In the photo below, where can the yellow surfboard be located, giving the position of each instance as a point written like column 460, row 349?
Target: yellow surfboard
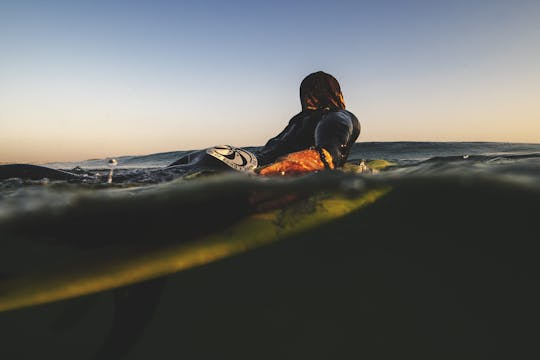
column 254, row 231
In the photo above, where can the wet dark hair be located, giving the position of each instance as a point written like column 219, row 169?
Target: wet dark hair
column 320, row 90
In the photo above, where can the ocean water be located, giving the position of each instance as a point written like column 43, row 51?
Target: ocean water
column 400, row 152
column 412, row 164
column 443, row 266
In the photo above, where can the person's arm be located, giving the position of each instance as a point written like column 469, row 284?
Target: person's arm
column 333, row 133
column 332, row 137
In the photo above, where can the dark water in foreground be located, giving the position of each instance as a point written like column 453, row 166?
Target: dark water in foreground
column 444, row 266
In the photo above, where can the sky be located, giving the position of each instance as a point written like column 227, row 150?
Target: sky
column 93, row 79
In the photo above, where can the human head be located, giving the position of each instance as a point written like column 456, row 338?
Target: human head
column 321, row 90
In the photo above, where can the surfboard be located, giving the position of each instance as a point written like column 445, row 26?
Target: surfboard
column 236, row 158
column 35, row 172
column 254, row 231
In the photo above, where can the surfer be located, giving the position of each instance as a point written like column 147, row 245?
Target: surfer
column 318, row 137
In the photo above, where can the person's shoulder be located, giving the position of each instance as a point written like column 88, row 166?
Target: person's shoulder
column 348, row 113
column 344, row 115
column 354, row 120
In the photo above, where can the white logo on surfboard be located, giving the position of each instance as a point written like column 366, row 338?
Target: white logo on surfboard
column 238, row 159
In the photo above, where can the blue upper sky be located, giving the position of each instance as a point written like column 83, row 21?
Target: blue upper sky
column 85, row 79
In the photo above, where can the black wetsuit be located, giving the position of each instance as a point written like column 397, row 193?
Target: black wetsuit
column 336, row 131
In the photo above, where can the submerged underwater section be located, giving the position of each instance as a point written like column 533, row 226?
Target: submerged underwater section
column 440, row 264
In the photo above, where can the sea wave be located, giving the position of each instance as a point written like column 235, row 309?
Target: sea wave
column 445, row 261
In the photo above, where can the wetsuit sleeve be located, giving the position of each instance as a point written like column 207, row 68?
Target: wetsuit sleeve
column 334, row 133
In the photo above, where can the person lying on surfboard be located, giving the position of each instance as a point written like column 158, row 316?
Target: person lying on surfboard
column 318, row 137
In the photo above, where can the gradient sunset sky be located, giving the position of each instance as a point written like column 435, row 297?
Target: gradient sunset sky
column 92, row 79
